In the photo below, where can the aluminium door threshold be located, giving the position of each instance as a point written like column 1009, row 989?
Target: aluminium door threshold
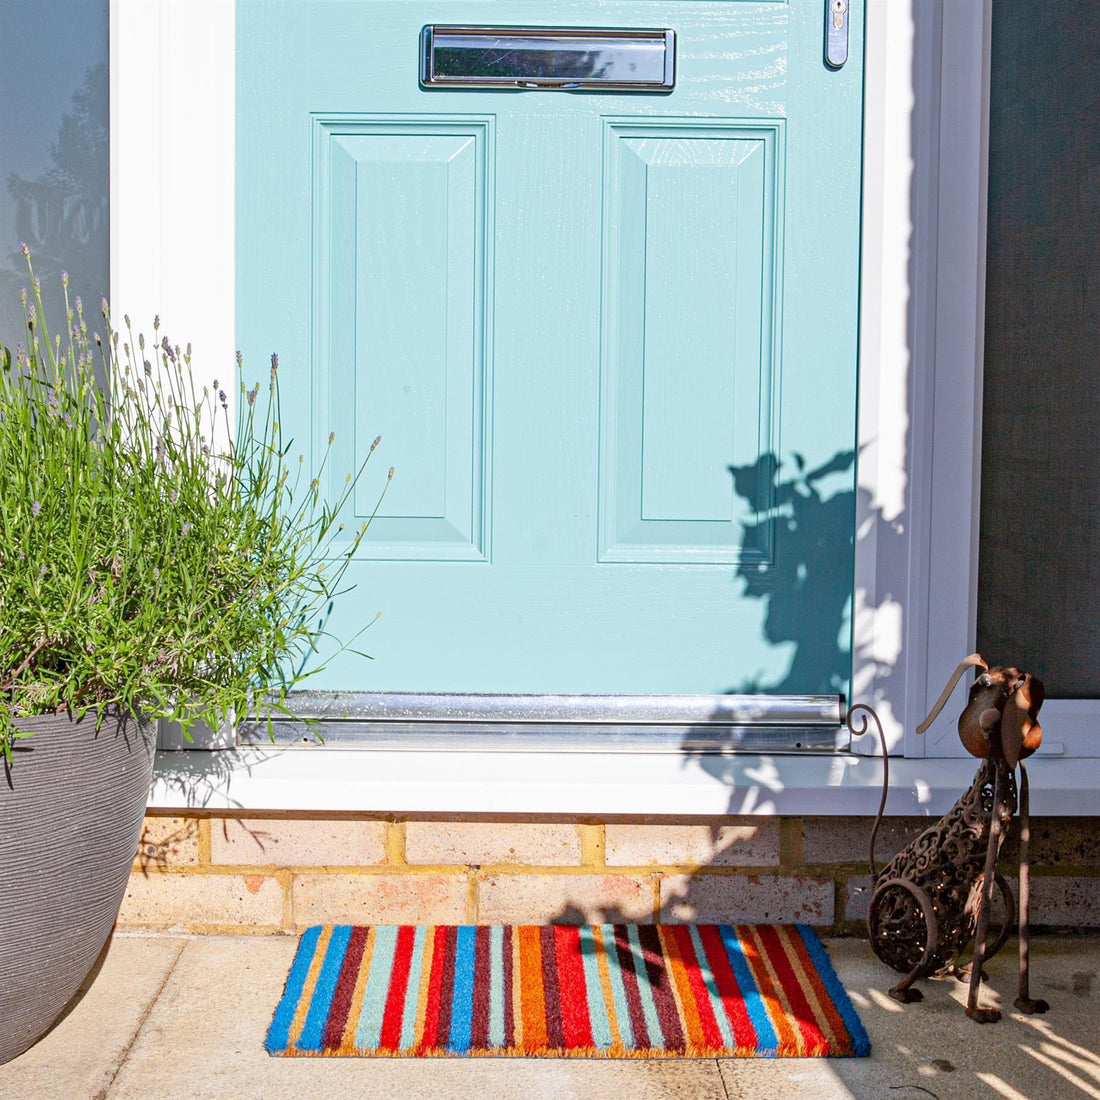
column 479, row 722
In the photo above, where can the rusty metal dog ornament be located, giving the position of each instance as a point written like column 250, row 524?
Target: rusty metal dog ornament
column 935, row 895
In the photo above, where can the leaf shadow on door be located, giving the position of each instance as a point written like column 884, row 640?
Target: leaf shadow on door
column 819, row 513
column 805, row 589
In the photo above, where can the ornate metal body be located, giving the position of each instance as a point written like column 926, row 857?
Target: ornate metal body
column 934, row 897
column 946, row 862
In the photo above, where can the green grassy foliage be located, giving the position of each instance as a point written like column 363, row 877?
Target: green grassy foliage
column 143, row 565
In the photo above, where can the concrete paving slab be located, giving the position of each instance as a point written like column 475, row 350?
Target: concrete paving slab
column 185, row 1018
column 204, row 1039
column 79, row 1057
column 934, row 1049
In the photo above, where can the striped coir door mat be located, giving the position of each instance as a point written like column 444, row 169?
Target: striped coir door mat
column 593, row 991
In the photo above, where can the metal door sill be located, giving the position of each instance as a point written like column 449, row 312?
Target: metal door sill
column 442, row 721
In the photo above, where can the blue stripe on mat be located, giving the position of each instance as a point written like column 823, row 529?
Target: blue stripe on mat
column 861, row 1041
column 462, row 1007
column 766, row 1039
column 314, row 1031
column 279, row 1031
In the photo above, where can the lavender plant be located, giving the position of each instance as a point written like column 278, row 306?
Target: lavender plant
column 144, row 567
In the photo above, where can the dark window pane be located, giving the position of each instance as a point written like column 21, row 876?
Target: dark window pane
column 54, row 154
column 1039, row 575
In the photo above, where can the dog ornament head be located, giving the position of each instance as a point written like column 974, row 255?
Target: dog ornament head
column 1001, row 718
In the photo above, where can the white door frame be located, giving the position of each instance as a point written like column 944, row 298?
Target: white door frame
column 922, row 301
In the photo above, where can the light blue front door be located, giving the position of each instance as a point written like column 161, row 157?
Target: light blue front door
column 608, row 339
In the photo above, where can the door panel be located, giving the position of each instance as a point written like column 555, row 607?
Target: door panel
column 608, row 339
column 691, row 244
column 399, row 205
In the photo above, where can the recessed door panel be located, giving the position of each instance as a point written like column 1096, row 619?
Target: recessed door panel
column 401, row 261
column 689, row 360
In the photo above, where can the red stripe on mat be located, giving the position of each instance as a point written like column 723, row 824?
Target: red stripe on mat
column 812, row 1035
column 435, row 992
column 744, row 1034
column 576, row 1026
column 390, row 1038
column 709, row 1025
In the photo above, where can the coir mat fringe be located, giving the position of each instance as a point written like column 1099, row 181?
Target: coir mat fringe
column 594, row 991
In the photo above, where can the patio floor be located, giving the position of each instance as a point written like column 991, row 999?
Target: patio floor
column 185, row 1016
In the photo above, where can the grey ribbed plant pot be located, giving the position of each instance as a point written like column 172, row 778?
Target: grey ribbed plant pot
column 71, row 809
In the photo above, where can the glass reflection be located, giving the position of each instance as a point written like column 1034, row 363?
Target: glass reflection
column 54, row 153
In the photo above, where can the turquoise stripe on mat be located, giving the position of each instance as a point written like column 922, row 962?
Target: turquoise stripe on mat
column 649, row 1005
column 408, row 1012
column 496, row 986
column 597, row 1007
column 618, row 988
column 369, row 1031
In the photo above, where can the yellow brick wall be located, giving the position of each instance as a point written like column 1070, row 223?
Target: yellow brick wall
column 279, row 873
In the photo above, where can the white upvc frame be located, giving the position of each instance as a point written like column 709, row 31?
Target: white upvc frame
column 922, row 336
column 922, row 299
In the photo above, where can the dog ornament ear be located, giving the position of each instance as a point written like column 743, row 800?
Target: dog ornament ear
column 973, row 661
column 1021, row 733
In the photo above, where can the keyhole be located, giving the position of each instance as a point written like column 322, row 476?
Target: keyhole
column 838, row 7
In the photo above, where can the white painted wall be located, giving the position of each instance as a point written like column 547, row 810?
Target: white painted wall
column 173, row 175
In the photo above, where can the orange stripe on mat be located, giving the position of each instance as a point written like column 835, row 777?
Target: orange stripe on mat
column 533, row 994
column 789, row 1040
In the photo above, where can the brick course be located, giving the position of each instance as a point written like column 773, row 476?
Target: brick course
column 266, row 842
column 487, row 843
column 379, row 899
column 281, row 872
column 746, row 899
column 563, row 899
column 197, row 902
column 168, row 842
column 716, row 845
